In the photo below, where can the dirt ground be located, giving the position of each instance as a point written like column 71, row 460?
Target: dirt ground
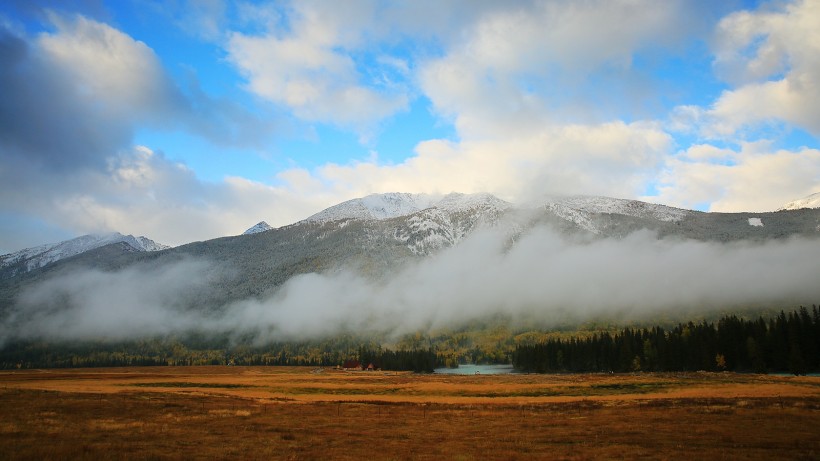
column 306, row 413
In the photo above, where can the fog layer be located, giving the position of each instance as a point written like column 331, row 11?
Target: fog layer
column 543, row 276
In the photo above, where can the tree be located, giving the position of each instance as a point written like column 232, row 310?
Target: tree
column 720, row 362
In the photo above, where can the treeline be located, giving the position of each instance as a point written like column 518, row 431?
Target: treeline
column 786, row 343
column 418, row 360
column 202, row 351
column 187, row 351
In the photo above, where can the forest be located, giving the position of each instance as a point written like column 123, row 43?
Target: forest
column 197, row 350
column 786, row 343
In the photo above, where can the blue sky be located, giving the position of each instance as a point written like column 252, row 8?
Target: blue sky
column 188, row 120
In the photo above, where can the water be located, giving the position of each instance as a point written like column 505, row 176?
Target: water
column 472, row 369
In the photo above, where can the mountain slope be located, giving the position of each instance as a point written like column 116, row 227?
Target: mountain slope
column 379, row 236
column 581, row 209
column 33, row 258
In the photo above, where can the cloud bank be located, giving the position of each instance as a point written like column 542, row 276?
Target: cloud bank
column 544, row 276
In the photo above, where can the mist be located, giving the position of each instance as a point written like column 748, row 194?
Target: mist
column 544, row 275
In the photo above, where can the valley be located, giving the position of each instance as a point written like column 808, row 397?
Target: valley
column 309, row 413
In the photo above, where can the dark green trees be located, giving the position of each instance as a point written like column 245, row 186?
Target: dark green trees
column 787, row 343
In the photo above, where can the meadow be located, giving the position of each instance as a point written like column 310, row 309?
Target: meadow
column 222, row 412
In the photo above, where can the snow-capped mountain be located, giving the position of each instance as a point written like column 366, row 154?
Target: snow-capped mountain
column 811, row 201
column 376, row 206
column 447, row 221
column 380, row 234
column 427, row 223
column 262, row 226
column 36, row 257
column 581, row 209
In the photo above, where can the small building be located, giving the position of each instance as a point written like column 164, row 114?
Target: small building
column 351, row 365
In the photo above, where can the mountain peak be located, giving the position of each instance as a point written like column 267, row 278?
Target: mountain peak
column 375, row 207
column 395, row 204
column 261, row 226
column 810, row 201
column 32, row 258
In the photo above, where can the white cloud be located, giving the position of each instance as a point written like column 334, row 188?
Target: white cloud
column 306, row 65
column 111, row 68
column 759, row 179
column 774, row 58
column 550, row 62
column 708, row 152
column 144, row 193
column 613, row 158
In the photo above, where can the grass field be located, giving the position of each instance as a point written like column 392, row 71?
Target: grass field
column 304, row 413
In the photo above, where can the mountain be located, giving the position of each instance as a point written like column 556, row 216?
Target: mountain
column 375, row 206
column 811, row 201
column 394, row 205
column 430, row 222
column 33, row 258
column 262, row 226
column 582, row 210
column 380, row 234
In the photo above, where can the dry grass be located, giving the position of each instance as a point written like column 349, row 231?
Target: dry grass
column 276, row 413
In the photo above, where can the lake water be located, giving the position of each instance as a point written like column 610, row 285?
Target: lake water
column 472, row 369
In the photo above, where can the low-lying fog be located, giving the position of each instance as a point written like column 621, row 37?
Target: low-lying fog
column 544, row 275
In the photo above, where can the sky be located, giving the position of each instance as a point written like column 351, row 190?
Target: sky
column 187, row 120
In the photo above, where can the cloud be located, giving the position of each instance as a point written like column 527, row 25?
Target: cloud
column 773, row 58
column 203, row 18
column 39, row 99
column 546, row 98
column 551, row 62
column 145, row 193
column 73, row 99
column 611, row 158
column 544, row 276
column 306, row 65
column 756, row 178
column 128, row 304
column 115, row 71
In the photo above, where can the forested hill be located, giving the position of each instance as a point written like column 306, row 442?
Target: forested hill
column 786, row 343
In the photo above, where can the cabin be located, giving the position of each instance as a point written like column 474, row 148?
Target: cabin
column 351, row 365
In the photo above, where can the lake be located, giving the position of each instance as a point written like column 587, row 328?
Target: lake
column 472, row 369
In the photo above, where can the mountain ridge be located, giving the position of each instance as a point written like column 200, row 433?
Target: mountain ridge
column 405, row 252
column 416, row 225
column 29, row 259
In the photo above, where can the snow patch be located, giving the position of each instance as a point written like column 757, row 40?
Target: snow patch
column 757, row 222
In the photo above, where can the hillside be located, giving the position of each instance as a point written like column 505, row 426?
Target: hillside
column 398, row 262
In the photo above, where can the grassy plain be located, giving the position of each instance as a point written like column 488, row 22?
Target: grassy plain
column 304, row 413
